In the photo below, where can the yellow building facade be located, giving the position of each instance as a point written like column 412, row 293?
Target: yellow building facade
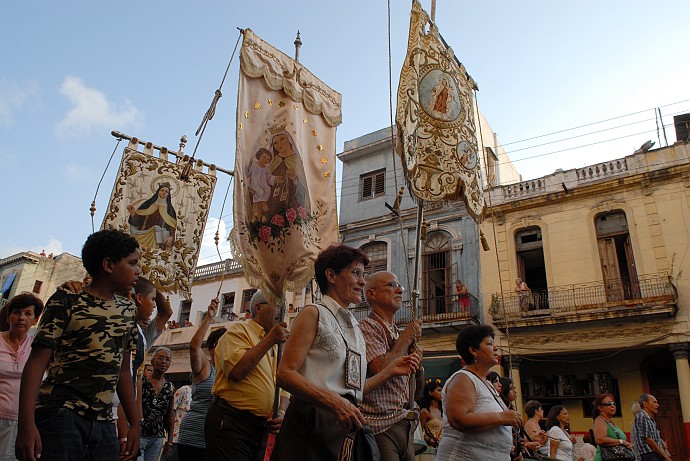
column 603, row 252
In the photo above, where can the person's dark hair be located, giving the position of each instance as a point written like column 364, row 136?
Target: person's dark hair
column 552, row 419
column 506, row 384
column 214, row 336
column 644, row 398
column 598, row 400
column 493, row 377
column 425, row 401
column 532, row 407
column 19, row 302
column 586, row 439
column 108, row 243
column 336, row 257
column 144, row 287
column 472, row 336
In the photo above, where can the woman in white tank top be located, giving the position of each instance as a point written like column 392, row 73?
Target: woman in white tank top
column 476, row 424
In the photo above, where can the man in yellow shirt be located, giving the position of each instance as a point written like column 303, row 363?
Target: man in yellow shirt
column 244, row 387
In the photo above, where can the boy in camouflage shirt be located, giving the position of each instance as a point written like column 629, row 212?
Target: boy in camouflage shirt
column 82, row 340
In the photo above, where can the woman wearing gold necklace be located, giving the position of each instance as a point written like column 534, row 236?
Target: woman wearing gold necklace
column 605, row 432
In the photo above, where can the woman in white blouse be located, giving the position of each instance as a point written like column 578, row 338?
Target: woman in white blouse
column 324, row 363
column 560, row 441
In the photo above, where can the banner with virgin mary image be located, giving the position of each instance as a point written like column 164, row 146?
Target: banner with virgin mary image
column 436, row 135
column 284, row 198
column 166, row 214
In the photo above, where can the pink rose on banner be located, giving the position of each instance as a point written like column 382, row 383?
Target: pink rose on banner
column 291, row 215
column 278, row 220
column 302, row 212
column 265, row 233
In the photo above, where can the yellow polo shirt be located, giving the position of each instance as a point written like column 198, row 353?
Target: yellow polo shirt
column 256, row 392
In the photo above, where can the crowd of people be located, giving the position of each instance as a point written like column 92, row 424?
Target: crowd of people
column 79, row 388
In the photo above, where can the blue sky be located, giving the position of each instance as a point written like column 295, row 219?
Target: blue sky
column 73, row 71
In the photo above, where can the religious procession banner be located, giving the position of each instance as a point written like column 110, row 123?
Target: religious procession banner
column 284, row 199
column 436, row 135
column 165, row 213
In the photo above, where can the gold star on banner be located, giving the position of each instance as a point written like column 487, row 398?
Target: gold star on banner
column 327, row 174
column 246, row 114
column 257, row 105
column 270, row 102
column 295, row 107
column 304, row 120
column 324, row 160
column 281, row 103
column 319, row 146
column 313, row 132
column 241, row 126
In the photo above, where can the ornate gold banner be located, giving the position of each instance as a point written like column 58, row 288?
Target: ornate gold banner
column 435, row 120
column 164, row 213
column 284, row 200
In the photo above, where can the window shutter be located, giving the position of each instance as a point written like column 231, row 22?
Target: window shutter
column 380, row 183
column 366, row 187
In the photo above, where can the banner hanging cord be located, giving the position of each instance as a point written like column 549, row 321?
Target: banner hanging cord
column 218, row 94
column 493, row 227
column 395, row 168
column 217, row 237
column 93, row 203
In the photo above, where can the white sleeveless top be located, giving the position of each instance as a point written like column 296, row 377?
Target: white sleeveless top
column 494, row 444
column 324, row 364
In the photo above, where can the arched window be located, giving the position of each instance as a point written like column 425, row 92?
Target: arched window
column 616, row 256
column 377, row 252
column 531, row 267
column 436, row 273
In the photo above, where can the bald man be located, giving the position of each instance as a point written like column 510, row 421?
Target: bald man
column 385, row 408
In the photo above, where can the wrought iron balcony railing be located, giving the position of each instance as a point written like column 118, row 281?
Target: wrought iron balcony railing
column 437, row 309
column 572, row 299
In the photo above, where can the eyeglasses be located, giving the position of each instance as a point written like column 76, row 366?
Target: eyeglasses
column 358, row 274
column 608, row 404
column 394, row 285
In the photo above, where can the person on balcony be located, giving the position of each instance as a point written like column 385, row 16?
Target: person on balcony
column 524, row 295
column 386, row 409
column 463, row 298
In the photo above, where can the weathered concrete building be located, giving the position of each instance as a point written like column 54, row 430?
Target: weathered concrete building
column 41, row 275
column 604, row 250
column 372, row 177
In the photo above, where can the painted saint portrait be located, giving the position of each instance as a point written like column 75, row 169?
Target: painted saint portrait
column 153, row 223
column 260, row 181
column 290, row 189
column 439, row 96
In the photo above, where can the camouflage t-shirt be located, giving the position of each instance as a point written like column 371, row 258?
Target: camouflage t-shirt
column 88, row 337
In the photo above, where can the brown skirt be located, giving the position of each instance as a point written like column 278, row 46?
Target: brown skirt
column 308, row 433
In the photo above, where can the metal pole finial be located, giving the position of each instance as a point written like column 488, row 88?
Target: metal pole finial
column 298, row 43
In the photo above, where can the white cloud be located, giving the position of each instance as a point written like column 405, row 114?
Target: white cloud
column 92, row 110
column 53, row 246
column 13, row 96
column 209, row 254
column 78, row 172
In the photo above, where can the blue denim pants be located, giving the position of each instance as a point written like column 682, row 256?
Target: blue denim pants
column 150, row 448
column 67, row 436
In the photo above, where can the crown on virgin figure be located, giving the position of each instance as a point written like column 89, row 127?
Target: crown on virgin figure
column 164, row 184
column 275, row 129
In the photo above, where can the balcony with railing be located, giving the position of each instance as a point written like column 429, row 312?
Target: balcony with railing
column 229, row 266
column 648, row 295
column 439, row 312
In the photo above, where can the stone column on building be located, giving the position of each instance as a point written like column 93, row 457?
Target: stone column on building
column 680, row 354
column 515, row 375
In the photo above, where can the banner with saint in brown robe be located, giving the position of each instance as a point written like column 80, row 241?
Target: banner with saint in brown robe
column 436, row 135
column 284, row 198
column 165, row 213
